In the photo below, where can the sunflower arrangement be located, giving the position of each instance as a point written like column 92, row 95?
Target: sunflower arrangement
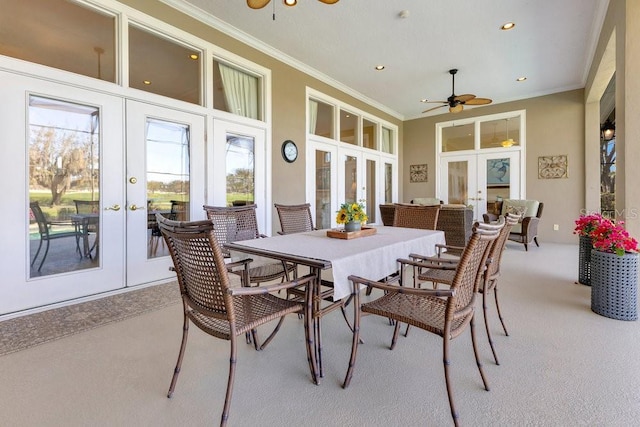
column 351, row 212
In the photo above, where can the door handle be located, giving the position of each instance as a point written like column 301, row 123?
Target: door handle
column 134, row 207
column 112, row 208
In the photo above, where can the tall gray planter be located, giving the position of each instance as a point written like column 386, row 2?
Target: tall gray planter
column 614, row 285
column 584, row 260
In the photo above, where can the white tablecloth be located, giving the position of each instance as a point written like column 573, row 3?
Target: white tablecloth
column 373, row 257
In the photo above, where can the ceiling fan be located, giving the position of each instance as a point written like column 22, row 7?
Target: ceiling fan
column 456, row 102
column 259, row 4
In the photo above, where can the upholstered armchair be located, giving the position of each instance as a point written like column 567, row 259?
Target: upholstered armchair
column 526, row 231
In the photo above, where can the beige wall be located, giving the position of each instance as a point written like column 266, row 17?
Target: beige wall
column 555, row 125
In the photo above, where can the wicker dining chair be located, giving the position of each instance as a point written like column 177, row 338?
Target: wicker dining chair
column 444, row 312
column 234, row 223
column 416, row 216
column 294, row 218
column 490, row 283
column 209, row 301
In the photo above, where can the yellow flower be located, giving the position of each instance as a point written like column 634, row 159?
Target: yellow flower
column 351, row 212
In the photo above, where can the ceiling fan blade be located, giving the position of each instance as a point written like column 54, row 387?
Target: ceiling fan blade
column 434, row 108
column 329, row 1
column 436, row 102
column 464, row 98
column 478, row 101
column 257, row 4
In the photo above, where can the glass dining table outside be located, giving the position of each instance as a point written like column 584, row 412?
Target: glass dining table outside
column 372, row 256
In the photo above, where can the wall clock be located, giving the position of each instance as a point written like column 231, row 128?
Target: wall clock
column 289, row 151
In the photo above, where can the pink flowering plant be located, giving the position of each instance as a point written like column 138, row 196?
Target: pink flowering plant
column 606, row 235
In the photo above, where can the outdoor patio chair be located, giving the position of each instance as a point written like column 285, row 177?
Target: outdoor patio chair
column 526, row 231
column 212, row 304
column 47, row 232
column 416, row 216
column 444, row 312
column 490, row 283
column 90, row 225
column 294, row 218
column 235, row 223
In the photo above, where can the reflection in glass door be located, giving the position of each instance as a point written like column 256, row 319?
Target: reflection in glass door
column 64, row 186
column 240, row 164
column 323, row 189
column 167, row 178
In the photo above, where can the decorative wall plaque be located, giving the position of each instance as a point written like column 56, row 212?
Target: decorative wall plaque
column 551, row 167
column 418, row 173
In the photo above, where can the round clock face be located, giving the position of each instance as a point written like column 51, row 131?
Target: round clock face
column 289, row 151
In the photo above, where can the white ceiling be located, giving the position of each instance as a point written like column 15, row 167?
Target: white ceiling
column 552, row 45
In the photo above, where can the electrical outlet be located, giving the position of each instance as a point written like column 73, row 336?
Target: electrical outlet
column 556, row 227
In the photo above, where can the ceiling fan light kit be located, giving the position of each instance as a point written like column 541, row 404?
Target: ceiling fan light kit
column 259, row 4
column 455, row 102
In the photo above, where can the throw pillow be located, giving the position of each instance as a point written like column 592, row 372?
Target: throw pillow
column 516, row 210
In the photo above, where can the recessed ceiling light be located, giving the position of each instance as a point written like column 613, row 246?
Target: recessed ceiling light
column 147, row 82
column 194, row 56
column 521, row 79
column 379, row 67
column 424, row 100
column 508, row 26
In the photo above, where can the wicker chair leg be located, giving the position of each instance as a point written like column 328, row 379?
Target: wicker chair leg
column 232, row 373
column 535, row 239
column 475, row 352
column 445, row 362
column 526, row 248
column 356, row 338
column 406, row 331
column 183, row 345
column 394, row 339
column 270, row 337
column 486, row 326
column 495, row 295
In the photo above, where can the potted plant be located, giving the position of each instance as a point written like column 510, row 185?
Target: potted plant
column 352, row 215
column 614, row 271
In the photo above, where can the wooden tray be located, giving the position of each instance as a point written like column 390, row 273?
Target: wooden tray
column 341, row 234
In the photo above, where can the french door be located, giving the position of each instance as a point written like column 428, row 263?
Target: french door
column 479, row 180
column 60, row 144
column 165, row 175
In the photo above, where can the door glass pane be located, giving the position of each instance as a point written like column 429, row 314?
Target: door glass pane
column 60, row 34
column 320, row 119
column 387, row 140
column 167, row 178
column 64, row 186
column 348, row 127
column 350, row 179
column 372, row 203
column 369, row 134
column 388, row 183
column 500, row 133
column 240, row 170
column 458, row 177
column 235, row 91
column 323, row 189
column 498, row 181
column 164, row 67
column 456, row 138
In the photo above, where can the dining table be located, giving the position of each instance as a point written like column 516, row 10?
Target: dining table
column 332, row 260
